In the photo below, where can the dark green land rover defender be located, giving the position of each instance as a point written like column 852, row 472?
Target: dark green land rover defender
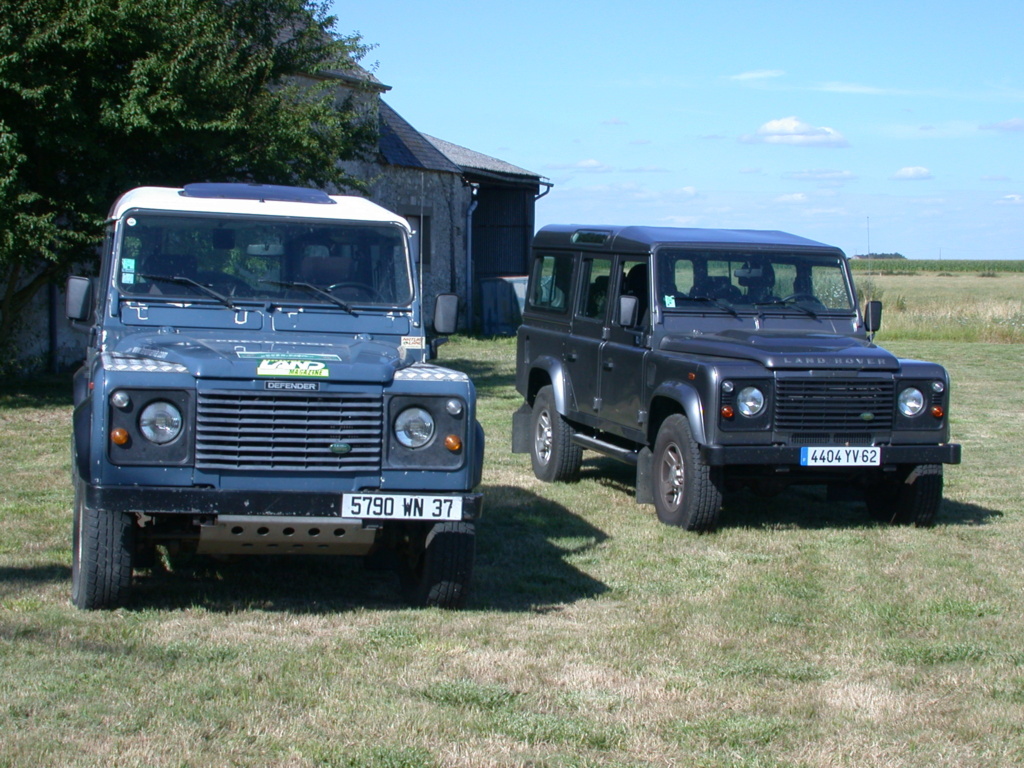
column 704, row 356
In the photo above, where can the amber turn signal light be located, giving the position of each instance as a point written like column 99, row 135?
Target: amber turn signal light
column 938, row 412
column 453, row 443
column 728, row 412
column 119, row 436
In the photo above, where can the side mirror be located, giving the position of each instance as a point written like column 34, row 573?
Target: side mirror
column 629, row 306
column 873, row 316
column 78, row 298
column 446, row 313
column 446, row 319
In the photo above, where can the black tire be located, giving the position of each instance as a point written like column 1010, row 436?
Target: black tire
column 438, row 573
column 101, row 568
column 915, row 501
column 687, row 492
column 554, row 456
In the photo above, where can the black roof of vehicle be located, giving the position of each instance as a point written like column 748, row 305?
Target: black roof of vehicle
column 633, row 238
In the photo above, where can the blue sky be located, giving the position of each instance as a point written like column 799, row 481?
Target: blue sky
column 894, row 126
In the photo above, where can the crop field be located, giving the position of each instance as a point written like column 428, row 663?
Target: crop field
column 801, row 633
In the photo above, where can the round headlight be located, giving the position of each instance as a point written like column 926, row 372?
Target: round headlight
column 414, row 427
column 911, row 402
column 750, row 401
column 160, row 422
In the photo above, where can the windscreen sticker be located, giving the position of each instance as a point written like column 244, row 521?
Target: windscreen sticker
column 127, row 271
column 298, row 368
column 670, row 301
column 414, row 342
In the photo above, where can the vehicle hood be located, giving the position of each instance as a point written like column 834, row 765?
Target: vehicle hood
column 780, row 350
column 219, row 355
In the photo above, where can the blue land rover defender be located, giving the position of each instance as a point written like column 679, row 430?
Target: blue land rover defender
column 709, row 358
column 259, row 381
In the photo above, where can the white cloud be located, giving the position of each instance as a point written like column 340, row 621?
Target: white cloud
column 794, row 132
column 646, row 169
column 1015, row 124
column 758, row 74
column 682, row 221
column 1012, row 200
column 913, row 173
column 855, row 88
column 589, row 165
column 796, row 197
column 686, row 192
column 822, row 176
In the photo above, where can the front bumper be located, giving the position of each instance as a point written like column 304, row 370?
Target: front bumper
column 212, row 501
column 728, row 455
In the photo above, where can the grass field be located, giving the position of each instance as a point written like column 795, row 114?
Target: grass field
column 800, row 634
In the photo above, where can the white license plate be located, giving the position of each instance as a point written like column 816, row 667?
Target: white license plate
column 840, row 456
column 398, row 506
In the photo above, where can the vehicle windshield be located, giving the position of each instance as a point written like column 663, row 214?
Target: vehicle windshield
column 237, row 260
column 752, row 281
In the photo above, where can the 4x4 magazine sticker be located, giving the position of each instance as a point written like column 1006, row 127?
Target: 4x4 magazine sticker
column 300, row 368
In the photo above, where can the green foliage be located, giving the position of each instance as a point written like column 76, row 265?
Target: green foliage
column 914, row 266
column 101, row 96
column 882, row 256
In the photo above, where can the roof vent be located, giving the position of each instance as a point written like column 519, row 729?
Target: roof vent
column 261, row 192
column 590, row 237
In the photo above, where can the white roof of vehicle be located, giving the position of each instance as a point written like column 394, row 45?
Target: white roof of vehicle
column 251, row 203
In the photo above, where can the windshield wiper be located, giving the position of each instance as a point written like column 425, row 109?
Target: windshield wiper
column 310, row 288
column 179, row 280
column 720, row 303
column 788, row 303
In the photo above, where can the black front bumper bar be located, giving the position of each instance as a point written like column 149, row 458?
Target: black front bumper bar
column 212, row 501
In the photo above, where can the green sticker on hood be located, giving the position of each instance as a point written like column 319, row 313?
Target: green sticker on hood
column 303, row 368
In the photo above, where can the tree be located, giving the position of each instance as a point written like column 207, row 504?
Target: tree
column 99, row 96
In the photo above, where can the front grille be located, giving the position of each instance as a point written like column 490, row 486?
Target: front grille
column 288, row 431
column 834, row 406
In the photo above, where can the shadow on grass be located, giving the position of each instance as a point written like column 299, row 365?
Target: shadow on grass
column 799, row 506
column 37, row 574
column 46, row 391
column 523, row 542
column 487, row 378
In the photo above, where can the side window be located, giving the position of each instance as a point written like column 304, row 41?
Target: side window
column 594, row 297
column 551, row 281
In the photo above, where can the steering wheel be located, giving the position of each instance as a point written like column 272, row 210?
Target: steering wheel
column 801, row 296
column 369, row 290
column 229, row 284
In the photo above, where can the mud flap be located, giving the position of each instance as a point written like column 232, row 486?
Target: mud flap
column 644, row 486
column 521, row 436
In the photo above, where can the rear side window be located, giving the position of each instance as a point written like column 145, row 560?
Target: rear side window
column 551, row 281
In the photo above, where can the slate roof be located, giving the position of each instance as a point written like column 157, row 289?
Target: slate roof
column 467, row 159
column 401, row 144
